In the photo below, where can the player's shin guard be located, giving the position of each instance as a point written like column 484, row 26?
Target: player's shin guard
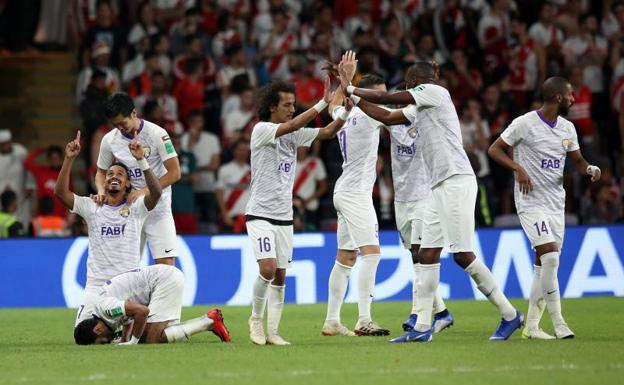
column 275, row 305
column 183, row 331
column 338, row 281
column 366, row 285
column 487, row 285
column 550, row 286
column 536, row 300
column 414, row 287
column 428, row 280
column 260, row 288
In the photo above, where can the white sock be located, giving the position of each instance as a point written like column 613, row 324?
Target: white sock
column 487, row 285
column 338, row 281
column 414, row 285
column 366, row 285
column 536, row 300
column 260, row 288
column 183, row 331
column 428, row 280
column 550, row 286
column 275, row 305
column 438, row 302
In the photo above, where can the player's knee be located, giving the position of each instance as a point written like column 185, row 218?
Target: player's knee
column 546, row 248
column 267, row 271
column 464, row 259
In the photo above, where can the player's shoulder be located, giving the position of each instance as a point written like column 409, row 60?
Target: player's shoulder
column 152, row 128
column 264, row 125
column 112, row 134
column 565, row 123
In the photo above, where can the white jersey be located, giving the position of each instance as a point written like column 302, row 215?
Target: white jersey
column 409, row 174
column 234, row 180
column 359, row 143
column 541, row 149
column 136, row 285
column 273, row 162
column 440, row 138
column 157, row 148
column 114, row 237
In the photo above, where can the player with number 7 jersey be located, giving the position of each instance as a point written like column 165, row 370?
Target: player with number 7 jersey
column 269, row 214
column 541, row 142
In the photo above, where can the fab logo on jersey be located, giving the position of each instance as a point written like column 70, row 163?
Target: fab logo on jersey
column 551, row 163
column 113, row 231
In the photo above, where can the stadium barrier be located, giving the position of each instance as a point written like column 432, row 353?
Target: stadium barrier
column 220, row 269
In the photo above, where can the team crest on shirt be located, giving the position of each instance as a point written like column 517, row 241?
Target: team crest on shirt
column 125, row 212
column 566, row 144
column 412, row 132
column 147, row 151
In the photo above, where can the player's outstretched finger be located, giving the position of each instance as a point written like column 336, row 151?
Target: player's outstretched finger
column 78, row 136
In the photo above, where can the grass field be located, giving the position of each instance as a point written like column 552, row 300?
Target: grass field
column 36, row 347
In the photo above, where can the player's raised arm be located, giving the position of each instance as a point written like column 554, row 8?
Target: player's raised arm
column 499, row 151
column 583, row 166
column 139, row 314
column 332, row 128
column 302, row 119
column 373, row 96
column 153, row 184
column 61, row 190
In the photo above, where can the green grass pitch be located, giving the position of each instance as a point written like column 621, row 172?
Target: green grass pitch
column 36, row 347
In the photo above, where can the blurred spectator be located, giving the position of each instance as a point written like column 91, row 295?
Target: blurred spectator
column 160, row 44
column 613, row 19
column 580, row 111
column 588, row 50
column 394, row 47
column 105, row 31
column 493, row 32
column 545, row 31
column 240, row 121
column 92, row 107
column 101, row 55
column 363, row 20
column 194, row 52
column 227, row 36
column 496, row 110
column 142, row 84
column 14, row 176
column 310, row 185
column 158, row 93
column 187, row 26
column 324, row 22
column 309, row 88
column 274, row 46
column 604, row 207
column 207, row 150
column 464, row 82
column 189, row 92
column 153, row 112
column 233, row 188
column 9, row 225
column 476, row 135
column 136, row 65
column 527, row 64
column 236, row 64
column 183, row 198
column 426, row 50
column 46, row 176
column 47, row 223
column 145, row 27
column 383, row 193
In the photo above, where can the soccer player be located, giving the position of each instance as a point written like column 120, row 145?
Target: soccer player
column 541, row 141
column 114, row 227
column 450, row 220
column 269, row 214
column 159, row 229
column 357, row 221
column 412, row 196
column 147, row 302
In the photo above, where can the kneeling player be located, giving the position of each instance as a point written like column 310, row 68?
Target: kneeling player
column 147, row 301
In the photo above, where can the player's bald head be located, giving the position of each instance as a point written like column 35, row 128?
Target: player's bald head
column 553, row 87
column 422, row 72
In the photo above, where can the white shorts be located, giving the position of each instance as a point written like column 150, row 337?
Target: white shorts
column 357, row 220
column 166, row 299
column 160, row 232
column 271, row 241
column 86, row 309
column 454, row 208
column 543, row 228
column 410, row 217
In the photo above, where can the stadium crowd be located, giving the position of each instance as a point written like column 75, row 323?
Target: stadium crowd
column 194, row 67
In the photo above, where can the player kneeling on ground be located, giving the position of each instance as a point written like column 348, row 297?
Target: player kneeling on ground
column 147, row 302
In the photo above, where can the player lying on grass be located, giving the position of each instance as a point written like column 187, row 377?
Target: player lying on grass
column 147, row 302
column 541, row 141
column 449, row 221
column 269, row 213
column 114, row 227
